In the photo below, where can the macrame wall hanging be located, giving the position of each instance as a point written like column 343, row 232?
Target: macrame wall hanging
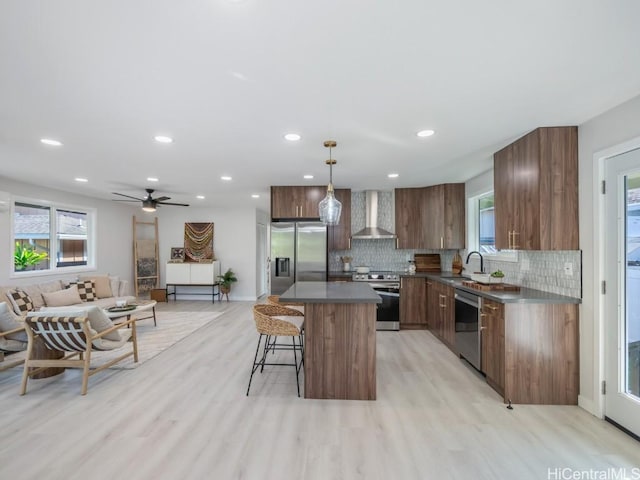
column 198, row 242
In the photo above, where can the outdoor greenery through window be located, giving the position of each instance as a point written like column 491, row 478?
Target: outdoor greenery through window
column 486, row 224
column 48, row 238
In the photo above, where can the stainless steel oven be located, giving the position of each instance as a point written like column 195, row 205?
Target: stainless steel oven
column 387, row 285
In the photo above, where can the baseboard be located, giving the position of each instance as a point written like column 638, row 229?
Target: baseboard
column 207, row 298
column 589, row 405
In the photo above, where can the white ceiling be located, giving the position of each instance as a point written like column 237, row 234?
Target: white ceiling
column 228, row 79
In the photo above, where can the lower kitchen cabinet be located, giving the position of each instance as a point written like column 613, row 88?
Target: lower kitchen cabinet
column 413, row 303
column 492, row 341
column 530, row 351
column 441, row 312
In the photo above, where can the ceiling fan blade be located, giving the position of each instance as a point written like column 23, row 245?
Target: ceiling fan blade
column 176, row 204
column 128, row 196
column 162, row 199
column 118, row 200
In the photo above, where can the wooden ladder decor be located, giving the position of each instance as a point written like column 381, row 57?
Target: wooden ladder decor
column 145, row 255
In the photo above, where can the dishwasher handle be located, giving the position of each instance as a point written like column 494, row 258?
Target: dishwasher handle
column 468, row 298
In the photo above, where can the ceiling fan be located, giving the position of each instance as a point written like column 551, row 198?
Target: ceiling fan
column 149, row 204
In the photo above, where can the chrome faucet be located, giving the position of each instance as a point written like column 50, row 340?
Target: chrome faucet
column 481, row 260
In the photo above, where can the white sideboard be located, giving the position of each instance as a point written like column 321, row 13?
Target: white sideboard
column 194, row 274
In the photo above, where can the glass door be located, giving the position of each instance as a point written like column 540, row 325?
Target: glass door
column 622, row 319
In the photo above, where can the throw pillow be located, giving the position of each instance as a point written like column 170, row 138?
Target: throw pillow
column 102, row 284
column 62, row 298
column 9, row 322
column 115, row 285
column 97, row 318
column 86, row 290
column 22, row 303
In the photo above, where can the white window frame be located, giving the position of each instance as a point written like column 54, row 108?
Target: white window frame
column 92, row 222
column 473, row 231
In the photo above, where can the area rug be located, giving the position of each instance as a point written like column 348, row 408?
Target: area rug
column 153, row 340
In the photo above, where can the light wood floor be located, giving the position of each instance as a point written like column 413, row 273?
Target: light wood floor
column 184, row 415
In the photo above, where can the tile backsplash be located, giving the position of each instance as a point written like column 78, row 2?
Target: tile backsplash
column 541, row 270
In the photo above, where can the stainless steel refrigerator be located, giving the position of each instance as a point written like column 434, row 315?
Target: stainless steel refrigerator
column 298, row 254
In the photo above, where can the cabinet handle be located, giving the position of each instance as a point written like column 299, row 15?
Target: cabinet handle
column 349, row 243
column 441, row 242
column 429, row 283
column 491, row 307
column 515, row 245
column 509, row 239
column 397, row 243
column 483, row 328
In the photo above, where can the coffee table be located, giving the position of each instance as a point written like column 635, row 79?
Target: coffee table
column 140, row 306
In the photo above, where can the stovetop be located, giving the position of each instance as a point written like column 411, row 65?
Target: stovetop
column 386, row 276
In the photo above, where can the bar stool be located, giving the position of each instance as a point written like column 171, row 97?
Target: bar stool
column 275, row 300
column 273, row 321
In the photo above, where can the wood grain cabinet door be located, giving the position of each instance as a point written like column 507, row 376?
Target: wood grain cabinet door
column 339, row 236
column 448, row 316
column 504, row 197
column 453, row 227
column 493, row 349
column 413, row 302
column 410, row 209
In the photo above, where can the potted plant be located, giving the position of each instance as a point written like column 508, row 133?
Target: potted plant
column 225, row 282
column 24, row 257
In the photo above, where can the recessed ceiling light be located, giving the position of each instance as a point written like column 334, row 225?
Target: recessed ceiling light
column 226, row 178
column 425, row 133
column 163, row 139
column 393, row 175
column 308, row 177
column 49, row 141
column 292, row 137
column 200, row 197
column 240, row 76
column 80, row 179
column 255, row 195
column 152, row 179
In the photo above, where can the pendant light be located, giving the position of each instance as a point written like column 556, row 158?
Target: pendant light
column 330, row 208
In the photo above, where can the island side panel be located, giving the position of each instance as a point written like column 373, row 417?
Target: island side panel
column 340, row 351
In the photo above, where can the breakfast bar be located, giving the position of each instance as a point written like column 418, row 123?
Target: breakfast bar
column 339, row 339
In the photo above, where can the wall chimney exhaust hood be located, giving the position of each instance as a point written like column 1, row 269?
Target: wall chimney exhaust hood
column 371, row 229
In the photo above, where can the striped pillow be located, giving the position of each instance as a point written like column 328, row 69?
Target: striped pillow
column 21, row 301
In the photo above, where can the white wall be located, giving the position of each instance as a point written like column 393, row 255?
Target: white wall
column 234, row 236
column 114, row 251
column 609, row 129
column 234, row 242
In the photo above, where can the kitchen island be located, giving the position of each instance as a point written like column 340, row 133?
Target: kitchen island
column 339, row 338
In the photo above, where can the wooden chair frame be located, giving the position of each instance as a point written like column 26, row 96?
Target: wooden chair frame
column 34, row 366
column 5, row 366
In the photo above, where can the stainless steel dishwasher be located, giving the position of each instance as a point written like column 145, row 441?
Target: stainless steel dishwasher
column 467, row 315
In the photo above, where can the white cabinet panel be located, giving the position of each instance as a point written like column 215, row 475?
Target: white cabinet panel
column 192, row 273
column 178, row 273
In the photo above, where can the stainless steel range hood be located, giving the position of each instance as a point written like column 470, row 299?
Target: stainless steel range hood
column 371, row 229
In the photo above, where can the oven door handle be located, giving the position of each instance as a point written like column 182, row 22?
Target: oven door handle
column 387, row 294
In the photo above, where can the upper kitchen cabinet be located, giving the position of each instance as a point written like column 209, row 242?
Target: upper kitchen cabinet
column 296, row 202
column 431, row 217
column 445, row 216
column 410, row 217
column 339, row 236
column 536, row 191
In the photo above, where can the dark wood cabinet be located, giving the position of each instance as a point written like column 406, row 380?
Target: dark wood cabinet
column 492, row 332
column 441, row 312
column 296, row 202
column 339, row 236
column 536, row 191
column 445, row 216
column 413, row 303
column 410, row 207
column 530, row 352
column 430, row 217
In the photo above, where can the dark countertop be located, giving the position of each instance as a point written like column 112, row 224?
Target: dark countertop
column 331, row 292
column 525, row 295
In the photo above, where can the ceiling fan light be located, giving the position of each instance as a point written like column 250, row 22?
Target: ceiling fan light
column 148, row 206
